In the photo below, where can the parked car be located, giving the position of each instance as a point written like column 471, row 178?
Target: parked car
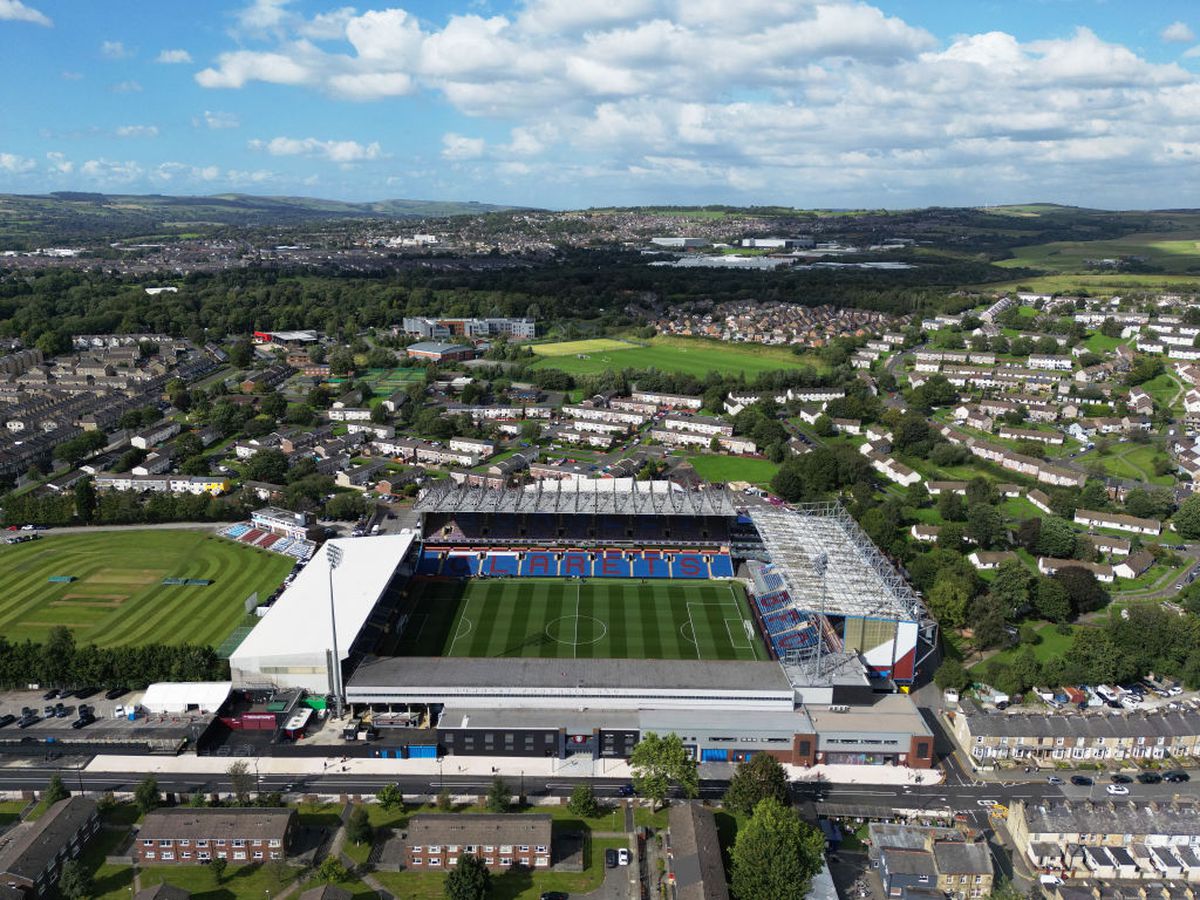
column 1116, row 790
column 7, row 719
column 610, row 857
column 114, row 693
column 1176, row 776
column 625, row 790
column 1081, row 781
column 1054, row 779
column 51, row 694
column 1149, row 778
column 1118, row 778
column 623, row 857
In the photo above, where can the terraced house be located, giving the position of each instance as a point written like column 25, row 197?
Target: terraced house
column 1077, row 736
column 196, row 836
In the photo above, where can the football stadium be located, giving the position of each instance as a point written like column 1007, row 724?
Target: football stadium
column 567, row 618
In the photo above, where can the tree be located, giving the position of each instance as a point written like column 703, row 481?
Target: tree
column 85, row 499
column 55, row 791
column 583, row 802
column 988, row 622
column 218, row 867
column 985, row 525
column 1187, row 517
column 1011, row 586
column 444, row 801
column 1086, row 593
column 760, row 778
column 267, row 465
column 146, row 796
column 948, row 600
column 390, row 797
column 241, row 782
column 240, row 354
column 951, row 675
column 274, row 405
column 358, row 826
column 775, row 855
column 657, row 761
column 951, row 507
column 75, row 881
column 499, row 796
column 1056, row 538
column 469, row 880
column 346, row 506
column 1052, row 601
column 332, row 870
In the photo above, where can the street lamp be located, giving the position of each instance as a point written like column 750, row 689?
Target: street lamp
column 333, row 554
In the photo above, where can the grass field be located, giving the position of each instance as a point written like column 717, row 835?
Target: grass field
column 687, row 356
column 1164, row 251
column 1133, row 461
column 597, row 619
column 733, row 468
column 117, row 597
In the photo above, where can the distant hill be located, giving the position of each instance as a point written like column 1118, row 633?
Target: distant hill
column 73, row 216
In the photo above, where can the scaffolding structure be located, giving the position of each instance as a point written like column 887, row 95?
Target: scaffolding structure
column 578, row 496
column 856, row 578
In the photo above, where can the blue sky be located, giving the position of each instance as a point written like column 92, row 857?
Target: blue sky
column 569, row 103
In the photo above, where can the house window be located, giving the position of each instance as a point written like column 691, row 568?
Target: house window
column 148, row 843
column 239, row 854
column 186, row 854
column 167, row 855
column 202, row 843
column 506, row 860
column 258, row 854
column 523, row 849
column 416, row 848
column 238, row 842
column 416, row 861
column 435, row 848
column 276, row 842
column 452, row 861
column 203, row 854
column 258, row 843
column 185, row 843
column 222, row 854
column 149, row 854
column 543, row 861
column 164, row 843
column 470, row 848
column 221, row 842
column 542, row 849
column 435, row 860
column 275, row 854
column 489, row 860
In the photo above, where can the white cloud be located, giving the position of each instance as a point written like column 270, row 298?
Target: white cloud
column 12, row 164
column 174, row 56
column 114, row 50
column 109, row 171
column 216, row 120
column 1178, row 33
column 795, row 96
column 334, row 151
column 456, row 147
column 68, row 75
column 137, row 131
column 59, row 163
column 16, row 11
column 127, row 87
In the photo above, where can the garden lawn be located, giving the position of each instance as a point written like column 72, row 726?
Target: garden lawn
column 1052, row 645
column 1130, row 461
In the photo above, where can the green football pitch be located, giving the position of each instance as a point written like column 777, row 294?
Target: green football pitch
column 602, row 619
column 116, row 595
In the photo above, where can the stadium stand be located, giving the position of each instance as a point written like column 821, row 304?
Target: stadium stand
column 515, row 563
column 245, row 533
column 482, row 529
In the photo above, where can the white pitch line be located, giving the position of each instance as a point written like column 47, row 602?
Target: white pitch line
column 575, row 639
column 458, row 631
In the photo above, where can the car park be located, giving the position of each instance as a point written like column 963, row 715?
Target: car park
column 114, row 693
column 1149, row 778
column 1116, row 790
column 51, row 694
column 28, row 720
column 1081, row 781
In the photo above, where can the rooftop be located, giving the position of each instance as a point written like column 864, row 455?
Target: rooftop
column 583, row 496
column 26, row 850
column 696, row 854
column 1132, row 817
column 188, row 823
column 298, row 621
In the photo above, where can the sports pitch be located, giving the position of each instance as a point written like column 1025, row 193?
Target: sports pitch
column 593, row 619
column 687, row 356
column 117, row 596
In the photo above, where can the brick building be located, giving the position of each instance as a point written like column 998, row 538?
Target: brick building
column 435, row 842
column 193, row 836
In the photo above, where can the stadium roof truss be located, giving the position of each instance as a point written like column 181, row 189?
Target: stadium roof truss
column 858, row 579
column 579, row 496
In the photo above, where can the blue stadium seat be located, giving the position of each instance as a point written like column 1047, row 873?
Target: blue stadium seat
column 461, row 565
column 539, row 564
column 430, row 564
column 688, row 565
column 650, row 566
column 499, row 564
column 611, row 564
column 575, row 564
column 722, row 566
